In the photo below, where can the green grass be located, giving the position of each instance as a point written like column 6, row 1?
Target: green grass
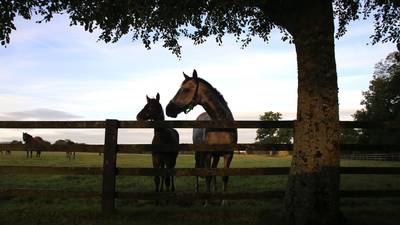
column 30, row 210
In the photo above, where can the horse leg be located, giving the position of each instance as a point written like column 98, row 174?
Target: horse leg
column 167, row 181
column 171, row 165
column 172, row 184
column 208, row 178
column 214, row 165
column 162, row 166
column 156, row 164
column 197, row 164
column 227, row 162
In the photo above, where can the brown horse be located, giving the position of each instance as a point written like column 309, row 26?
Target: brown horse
column 70, row 155
column 196, row 91
column 165, row 159
column 33, row 144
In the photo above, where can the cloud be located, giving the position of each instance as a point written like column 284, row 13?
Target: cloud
column 38, row 114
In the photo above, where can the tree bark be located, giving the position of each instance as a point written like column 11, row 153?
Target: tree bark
column 312, row 195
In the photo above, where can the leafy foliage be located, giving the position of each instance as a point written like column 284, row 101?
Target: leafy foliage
column 385, row 15
column 16, row 142
column 64, row 142
column 273, row 135
column 167, row 20
column 349, row 136
column 382, row 101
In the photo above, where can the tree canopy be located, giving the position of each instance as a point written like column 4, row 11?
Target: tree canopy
column 167, row 20
column 64, row 142
column 382, row 101
column 273, row 135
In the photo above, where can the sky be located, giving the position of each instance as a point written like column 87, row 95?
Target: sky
column 52, row 71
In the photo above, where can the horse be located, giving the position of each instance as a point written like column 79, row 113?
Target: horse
column 6, row 152
column 33, row 143
column 161, row 159
column 196, row 91
column 70, row 155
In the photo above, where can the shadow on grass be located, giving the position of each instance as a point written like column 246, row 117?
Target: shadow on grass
column 22, row 211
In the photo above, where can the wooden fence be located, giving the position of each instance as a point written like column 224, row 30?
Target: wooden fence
column 109, row 171
column 394, row 156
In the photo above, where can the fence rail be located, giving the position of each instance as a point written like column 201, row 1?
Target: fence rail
column 185, row 124
column 188, row 196
column 146, row 148
column 180, row 172
column 109, row 171
column 381, row 156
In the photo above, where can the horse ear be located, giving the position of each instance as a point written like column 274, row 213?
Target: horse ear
column 194, row 75
column 148, row 99
column 186, row 76
column 158, row 96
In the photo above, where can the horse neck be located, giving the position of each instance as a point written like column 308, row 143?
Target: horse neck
column 160, row 129
column 215, row 105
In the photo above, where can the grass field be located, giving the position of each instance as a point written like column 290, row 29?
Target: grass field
column 30, row 210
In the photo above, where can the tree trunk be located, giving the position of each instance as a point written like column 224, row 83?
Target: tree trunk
column 312, row 195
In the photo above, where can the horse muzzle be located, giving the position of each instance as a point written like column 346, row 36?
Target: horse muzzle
column 173, row 110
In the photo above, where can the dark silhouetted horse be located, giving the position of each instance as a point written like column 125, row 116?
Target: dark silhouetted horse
column 161, row 159
column 33, row 144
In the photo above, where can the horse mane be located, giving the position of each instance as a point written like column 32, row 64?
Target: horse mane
column 219, row 95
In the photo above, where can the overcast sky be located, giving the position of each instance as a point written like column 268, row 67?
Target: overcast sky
column 56, row 72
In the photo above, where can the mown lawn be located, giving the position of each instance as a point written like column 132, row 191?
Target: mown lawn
column 29, row 210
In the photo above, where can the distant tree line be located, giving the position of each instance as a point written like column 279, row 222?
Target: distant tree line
column 273, row 135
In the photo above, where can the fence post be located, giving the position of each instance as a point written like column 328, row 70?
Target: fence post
column 109, row 165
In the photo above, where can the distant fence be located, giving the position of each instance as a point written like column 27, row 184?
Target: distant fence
column 109, row 171
column 393, row 156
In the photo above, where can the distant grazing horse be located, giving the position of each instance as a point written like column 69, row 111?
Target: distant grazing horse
column 33, row 144
column 196, row 91
column 161, row 159
column 6, row 152
column 70, row 155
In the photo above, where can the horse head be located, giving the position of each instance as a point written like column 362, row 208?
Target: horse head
column 152, row 110
column 186, row 98
column 26, row 137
